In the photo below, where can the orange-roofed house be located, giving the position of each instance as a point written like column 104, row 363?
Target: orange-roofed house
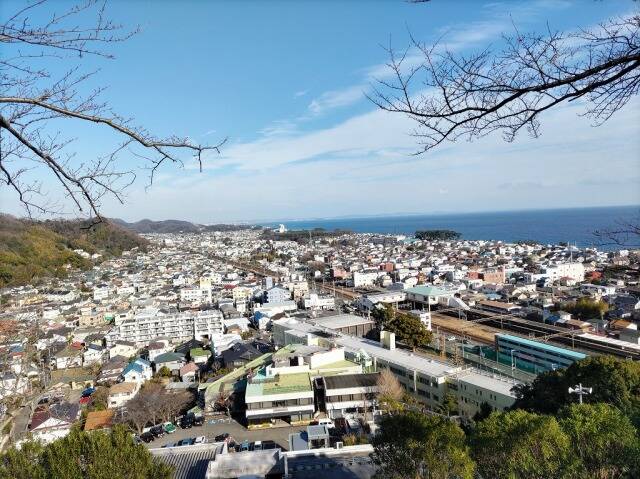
column 99, row 420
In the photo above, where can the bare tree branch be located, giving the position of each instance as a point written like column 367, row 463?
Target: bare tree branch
column 451, row 96
column 626, row 233
column 32, row 101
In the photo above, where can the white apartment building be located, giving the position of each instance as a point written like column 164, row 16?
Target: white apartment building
column 361, row 279
column 368, row 301
column 575, row 271
column 195, row 295
column 151, row 323
column 313, row 301
column 101, row 292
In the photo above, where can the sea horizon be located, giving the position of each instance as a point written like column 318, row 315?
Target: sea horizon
column 546, row 226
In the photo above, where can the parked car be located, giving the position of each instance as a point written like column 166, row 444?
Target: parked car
column 268, row 445
column 325, row 421
column 198, row 420
column 244, row 446
column 188, row 441
column 88, row 392
column 169, row 428
column 171, row 444
column 256, row 446
column 147, row 437
column 186, row 422
column 221, row 437
column 157, row 431
column 200, row 440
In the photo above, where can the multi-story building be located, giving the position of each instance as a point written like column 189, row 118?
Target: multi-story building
column 314, row 301
column 151, row 323
column 277, row 294
column 283, row 390
column 195, row 295
column 427, row 379
column 364, row 278
column 347, row 395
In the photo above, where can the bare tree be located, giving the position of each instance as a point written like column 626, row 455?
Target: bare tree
column 390, row 391
column 36, row 104
column 451, row 96
column 625, row 233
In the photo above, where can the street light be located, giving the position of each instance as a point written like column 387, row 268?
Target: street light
column 580, row 391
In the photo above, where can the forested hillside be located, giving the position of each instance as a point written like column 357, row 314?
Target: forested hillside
column 177, row 226
column 31, row 250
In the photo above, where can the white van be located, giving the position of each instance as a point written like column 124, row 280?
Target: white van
column 325, row 421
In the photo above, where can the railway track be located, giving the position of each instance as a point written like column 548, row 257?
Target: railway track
column 547, row 333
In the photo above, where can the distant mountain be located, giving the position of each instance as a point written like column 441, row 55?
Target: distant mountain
column 31, row 250
column 176, row 226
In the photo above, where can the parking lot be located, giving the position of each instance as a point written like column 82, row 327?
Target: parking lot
column 279, row 435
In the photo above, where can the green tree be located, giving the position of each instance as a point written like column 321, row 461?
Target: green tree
column 86, row 455
column 407, row 327
column 410, row 330
column 23, row 463
column 586, row 308
column 614, row 381
column 449, row 404
column 485, row 411
column 382, row 315
column 604, row 439
column 521, row 445
column 413, row 445
column 164, row 372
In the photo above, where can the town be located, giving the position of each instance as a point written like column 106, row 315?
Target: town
column 263, row 352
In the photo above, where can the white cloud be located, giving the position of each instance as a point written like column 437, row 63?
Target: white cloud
column 337, row 98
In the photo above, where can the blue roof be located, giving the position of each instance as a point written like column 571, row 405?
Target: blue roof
column 543, row 346
column 132, row 367
column 143, row 362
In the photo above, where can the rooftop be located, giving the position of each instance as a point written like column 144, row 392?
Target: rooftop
column 280, row 384
column 543, row 346
column 99, row 419
column 344, row 381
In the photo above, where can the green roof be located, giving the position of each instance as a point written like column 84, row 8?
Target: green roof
column 280, row 384
column 428, row 291
column 199, row 352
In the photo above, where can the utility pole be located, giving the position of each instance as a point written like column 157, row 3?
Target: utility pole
column 580, row 391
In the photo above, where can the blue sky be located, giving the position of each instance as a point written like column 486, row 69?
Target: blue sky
column 285, row 82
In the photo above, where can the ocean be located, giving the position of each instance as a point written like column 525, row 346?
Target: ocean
column 574, row 225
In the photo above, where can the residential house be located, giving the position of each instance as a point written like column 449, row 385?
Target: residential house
column 93, row 355
column 199, row 355
column 123, row 348
column 76, row 378
column 69, row 357
column 51, row 422
column 112, row 369
column 188, row 372
column 156, row 348
column 238, row 355
column 120, row 393
column 99, row 420
column 173, row 361
column 138, row 371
